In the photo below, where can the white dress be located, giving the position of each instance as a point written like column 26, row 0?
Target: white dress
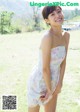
column 36, row 86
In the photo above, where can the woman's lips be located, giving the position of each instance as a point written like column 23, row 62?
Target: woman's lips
column 59, row 20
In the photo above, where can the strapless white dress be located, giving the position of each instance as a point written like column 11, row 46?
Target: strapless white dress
column 36, row 86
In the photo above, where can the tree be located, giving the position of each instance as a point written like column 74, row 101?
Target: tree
column 36, row 17
column 6, row 21
column 76, row 11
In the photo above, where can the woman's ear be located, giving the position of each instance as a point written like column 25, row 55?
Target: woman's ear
column 47, row 21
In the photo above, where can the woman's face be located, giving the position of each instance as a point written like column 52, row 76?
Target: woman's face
column 56, row 17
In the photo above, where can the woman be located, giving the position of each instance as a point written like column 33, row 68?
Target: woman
column 45, row 81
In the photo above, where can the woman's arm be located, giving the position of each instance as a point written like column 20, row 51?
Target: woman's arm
column 46, row 57
column 62, row 71
column 63, row 65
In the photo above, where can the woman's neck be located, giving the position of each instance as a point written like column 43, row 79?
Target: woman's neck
column 57, row 30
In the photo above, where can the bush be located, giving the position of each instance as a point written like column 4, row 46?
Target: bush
column 18, row 30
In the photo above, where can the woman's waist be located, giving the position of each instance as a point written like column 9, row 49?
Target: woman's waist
column 37, row 72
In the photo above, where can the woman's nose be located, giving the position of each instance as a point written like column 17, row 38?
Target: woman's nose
column 56, row 15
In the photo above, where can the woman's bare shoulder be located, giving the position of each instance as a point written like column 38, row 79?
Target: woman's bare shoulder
column 46, row 39
column 67, row 38
column 67, row 34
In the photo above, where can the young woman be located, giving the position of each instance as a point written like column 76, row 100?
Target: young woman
column 45, row 81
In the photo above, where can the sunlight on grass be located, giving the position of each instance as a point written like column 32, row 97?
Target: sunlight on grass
column 18, row 55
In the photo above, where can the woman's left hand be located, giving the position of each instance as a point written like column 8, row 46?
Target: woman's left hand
column 58, row 88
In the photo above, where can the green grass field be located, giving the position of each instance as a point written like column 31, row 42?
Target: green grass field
column 19, row 53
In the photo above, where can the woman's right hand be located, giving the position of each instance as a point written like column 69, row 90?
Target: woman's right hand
column 46, row 96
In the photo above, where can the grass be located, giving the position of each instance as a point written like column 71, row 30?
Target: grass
column 19, row 53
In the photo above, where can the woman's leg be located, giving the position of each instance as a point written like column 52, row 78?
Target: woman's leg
column 34, row 109
column 51, row 105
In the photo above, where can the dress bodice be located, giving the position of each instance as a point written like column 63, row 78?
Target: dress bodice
column 57, row 56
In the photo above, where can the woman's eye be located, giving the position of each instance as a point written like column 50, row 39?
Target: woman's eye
column 52, row 14
column 59, row 11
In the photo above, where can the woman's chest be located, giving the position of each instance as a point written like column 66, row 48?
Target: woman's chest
column 58, row 54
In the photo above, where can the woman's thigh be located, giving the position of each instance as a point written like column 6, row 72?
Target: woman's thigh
column 34, row 109
column 51, row 105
